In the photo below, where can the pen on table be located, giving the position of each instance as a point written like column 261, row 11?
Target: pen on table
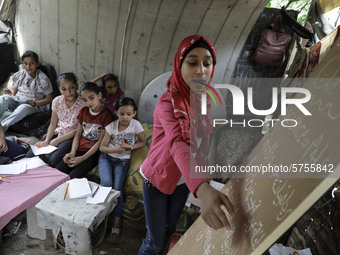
column 94, row 193
column 66, row 190
column 7, row 177
column 4, row 180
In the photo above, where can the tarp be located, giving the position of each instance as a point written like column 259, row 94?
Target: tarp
column 7, row 10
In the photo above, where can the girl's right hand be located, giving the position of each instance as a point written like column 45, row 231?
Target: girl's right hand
column 3, row 146
column 41, row 144
column 68, row 157
column 211, row 202
column 119, row 149
column 103, row 74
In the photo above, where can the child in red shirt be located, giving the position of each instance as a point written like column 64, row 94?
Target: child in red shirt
column 92, row 120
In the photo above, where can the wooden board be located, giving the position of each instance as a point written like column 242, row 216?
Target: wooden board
column 267, row 207
column 256, row 226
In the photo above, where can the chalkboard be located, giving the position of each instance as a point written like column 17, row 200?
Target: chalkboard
column 267, row 207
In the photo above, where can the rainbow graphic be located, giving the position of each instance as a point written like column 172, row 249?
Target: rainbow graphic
column 207, row 86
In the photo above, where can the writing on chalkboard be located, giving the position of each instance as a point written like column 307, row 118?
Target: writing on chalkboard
column 253, row 227
column 282, row 194
column 269, row 151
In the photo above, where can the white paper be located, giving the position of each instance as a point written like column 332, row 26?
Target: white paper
column 79, row 188
column 20, row 166
column 34, row 162
column 12, row 168
column 100, row 195
column 20, row 101
column 216, row 185
column 42, row 150
column 279, row 249
column 192, row 201
column 195, row 201
column 30, row 162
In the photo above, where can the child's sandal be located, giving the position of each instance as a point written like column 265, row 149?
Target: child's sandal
column 11, row 228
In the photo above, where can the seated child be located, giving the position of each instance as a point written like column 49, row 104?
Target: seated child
column 9, row 150
column 111, row 92
column 62, row 128
column 116, row 147
column 31, row 92
column 85, row 146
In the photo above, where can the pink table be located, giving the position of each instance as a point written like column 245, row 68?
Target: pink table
column 27, row 189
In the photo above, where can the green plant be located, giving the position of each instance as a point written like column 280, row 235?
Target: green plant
column 295, row 5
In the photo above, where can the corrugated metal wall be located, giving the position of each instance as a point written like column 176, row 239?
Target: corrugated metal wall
column 135, row 39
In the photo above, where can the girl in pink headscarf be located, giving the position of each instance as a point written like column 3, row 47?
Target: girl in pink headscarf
column 177, row 128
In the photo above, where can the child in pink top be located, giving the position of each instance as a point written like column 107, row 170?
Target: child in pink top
column 62, row 128
column 170, row 157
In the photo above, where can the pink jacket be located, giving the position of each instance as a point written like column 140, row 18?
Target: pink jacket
column 169, row 155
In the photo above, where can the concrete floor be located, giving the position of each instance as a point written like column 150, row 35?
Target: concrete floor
column 21, row 244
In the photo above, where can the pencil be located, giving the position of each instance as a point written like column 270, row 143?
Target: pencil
column 94, row 193
column 66, row 190
column 39, row 143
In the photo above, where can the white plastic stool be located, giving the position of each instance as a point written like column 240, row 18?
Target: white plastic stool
column 73, row 217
